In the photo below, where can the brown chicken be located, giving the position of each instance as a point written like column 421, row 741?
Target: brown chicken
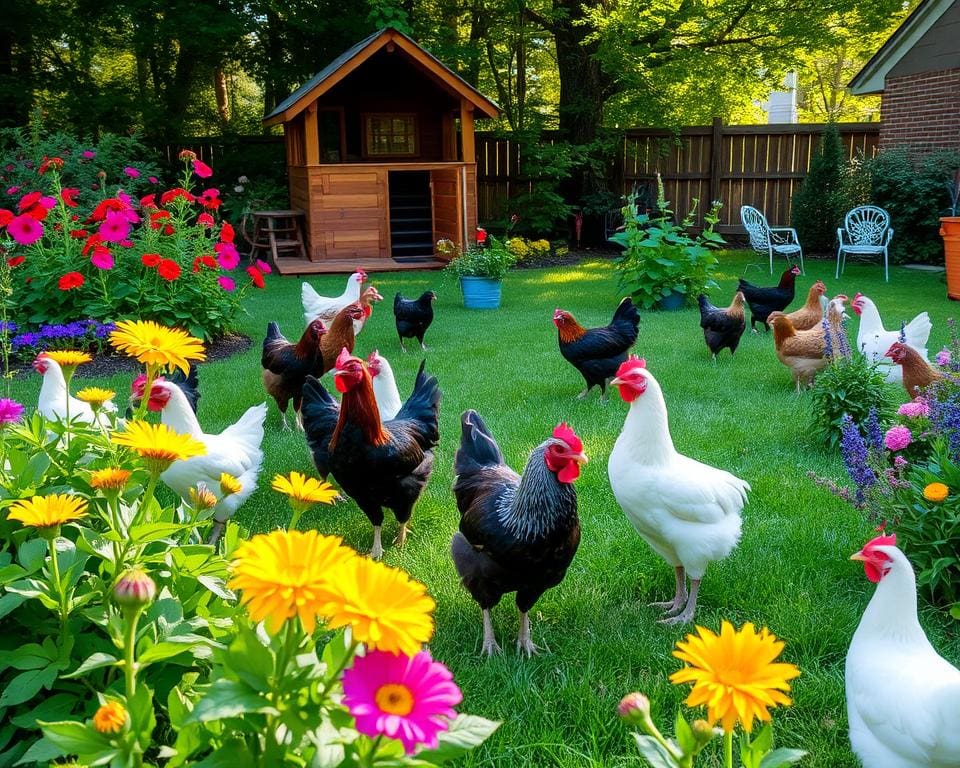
column 286, row 366
column 368, row 298
column 917, row 372
column 810, row 314
column 803, row 351
column 340, row 335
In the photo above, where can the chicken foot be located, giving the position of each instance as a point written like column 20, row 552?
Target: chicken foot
column 401, row 536
column 423, row 347
column 583, row 394
column 524, row 643
column 402, row 347
column 489, row 646
column 376, row 551
column 687, row 615
column 679, row 597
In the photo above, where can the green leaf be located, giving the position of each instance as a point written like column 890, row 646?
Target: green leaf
column 165, row 649
column 27, row 684
column 147, row 532
column 233, row 754
column 32, row 554
column 466, row 732
column 684, row 734
column 251, row 660
column 10, row 602
column 228, row 698
column 654, row 753
column 41, row 752
column 95, row 661
column 73, row 738
column 57, row 707
column 782, row 757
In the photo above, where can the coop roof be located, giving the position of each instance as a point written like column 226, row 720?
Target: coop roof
column 871, row 78
column 354, row 57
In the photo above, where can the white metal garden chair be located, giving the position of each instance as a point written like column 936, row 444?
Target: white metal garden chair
column 866, row 232
column 767, row 240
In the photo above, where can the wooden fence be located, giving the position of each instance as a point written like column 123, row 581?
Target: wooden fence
column 758, row 165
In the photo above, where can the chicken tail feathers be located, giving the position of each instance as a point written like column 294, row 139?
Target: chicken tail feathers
column 627, row 319
column 917, row 332
column 397, row 302
column 248, row 430
column 189, row 385
column 478, row 448
column 423, row 406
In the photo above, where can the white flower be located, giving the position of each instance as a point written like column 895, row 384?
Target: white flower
column 238, row 189
column 243, row 180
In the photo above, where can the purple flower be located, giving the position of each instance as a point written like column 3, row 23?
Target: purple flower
column 897, row 438
column 7, row 326
column 25, row 340
column 854, row 450
column 10, row 411
column 915, row 409
column 873, row 431
column 899, row 462
column 827, row 340
column 943, row 357
column 843, row 343
column 132, row 172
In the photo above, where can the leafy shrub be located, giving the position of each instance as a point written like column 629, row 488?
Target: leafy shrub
column 489, row 257
column 542, row 208
column 521, row 248
column 165, row 257
column 912, row 188
column 819, row 204
column 661, row 257
column 247, row 194
column 849, row 385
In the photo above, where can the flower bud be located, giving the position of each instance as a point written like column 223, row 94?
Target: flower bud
column 703, row 732
column 187, row 155
column 202, row 497
column 110, row 718
column 634, row 708
column 134, row 589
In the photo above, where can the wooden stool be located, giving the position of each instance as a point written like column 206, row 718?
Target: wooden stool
column 275, row 232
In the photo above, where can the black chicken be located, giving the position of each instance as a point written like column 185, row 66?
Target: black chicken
column 517, row 533
column 413, row 316
column 377, row 464
column 722, row 328
column 597, row 352
column 763, row 301
column 286, row 366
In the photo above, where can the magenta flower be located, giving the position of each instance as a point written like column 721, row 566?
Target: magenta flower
column 943, row 357
column 899, row 462
column 263, row 267
column 202, row 170
column 132, row 172
column 226, row 283
column 102, row 259
column 12, row 190
column 10, row 411
column 897, row 438
column 410, row 699
column 48, row 202
column 914, row 409
column 227, row 255
column 114, row 228
column 25, row 229
column 152, row 179
column 88, row 154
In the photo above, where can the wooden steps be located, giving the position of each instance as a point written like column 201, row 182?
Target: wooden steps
column 289, row 265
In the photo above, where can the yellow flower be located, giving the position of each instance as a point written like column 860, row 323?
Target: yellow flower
column 110, row 718
column 229, row 484
column 156, row 345
column 734, row 674
column 48, row 511
column 110, row 479
column 387, row 609
column 306, row 490
column 95, row 396
column 158, row 444
column 936, row 492
column 288, row 573
column 202, row 497
column 68, row 357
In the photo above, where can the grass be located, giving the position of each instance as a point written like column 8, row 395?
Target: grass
column 600, row 641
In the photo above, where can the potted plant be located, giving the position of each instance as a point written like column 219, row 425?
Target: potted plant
column 480, row 268
column 950, row 232
column 663, row 265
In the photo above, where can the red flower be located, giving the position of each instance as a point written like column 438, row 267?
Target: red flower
column 15, row 261
column 105, row 206
column 206, row 261
column 78, row 233
column 256, row 276
column 226, row 232
column 92, row 242
column 169, row 230
column 70, row 281
column 481, row 235
column 202, row 170
column 210, row 199
column 168, row 269
column 5, row 217
column 187, row 155
column 28, row 201
column 205, row 219
column 156, row 217
column 173, row 194
column 69, row 196
column 151, row 260
column 55, row 163
column 148, row 201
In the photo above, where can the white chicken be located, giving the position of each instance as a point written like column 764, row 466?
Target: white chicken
column 874, row 341
column 384, row 386
column 235, row 451
column 688, row 512
column 53, row 399
column 903, row 698
column 326, row 308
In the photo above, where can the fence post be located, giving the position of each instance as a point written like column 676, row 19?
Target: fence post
column 716, row 145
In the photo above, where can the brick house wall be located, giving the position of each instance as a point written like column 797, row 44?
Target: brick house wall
column 922, row 110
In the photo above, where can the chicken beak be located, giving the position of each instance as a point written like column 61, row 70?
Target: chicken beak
column 858, row 556
column 616, row 381
column 580, row 458
column 338, row 372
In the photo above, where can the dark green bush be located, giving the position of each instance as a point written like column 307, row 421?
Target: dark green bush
column 819, row 203
column 849, row 385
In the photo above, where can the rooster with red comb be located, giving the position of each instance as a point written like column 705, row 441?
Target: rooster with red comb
column 688, row 512
column 518, row 533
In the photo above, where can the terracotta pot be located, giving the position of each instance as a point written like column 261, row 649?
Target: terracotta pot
column 950, row 232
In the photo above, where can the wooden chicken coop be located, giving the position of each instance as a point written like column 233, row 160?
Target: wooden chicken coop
column 381, row 158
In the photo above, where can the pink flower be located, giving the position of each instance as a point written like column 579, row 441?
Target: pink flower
column 102, row 258
column 943, row 357
column 914, row 409
column 152, row 179
column 410, row 699
column 897, row 438
column 88, row 154
column 48, row 202
column 227, row 255
column 10, row 411
column 263, row 267
column 226, row 283
column 132, row 172
column 25, row 229
column 899, row 462
column 12, row 191
column 202, row 170
column 115, row 227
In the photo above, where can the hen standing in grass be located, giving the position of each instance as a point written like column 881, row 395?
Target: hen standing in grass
column 517, row 533
column 722, row 328
column 286, row 366
column 413, row 317
column 340, row 335
column 810, row 315
column 763, row 301
column 368, row 298
column 326, row 308
column 55, row 401
column 916, row 373
column 597, row 352
column 384, row 385
column 378, row 464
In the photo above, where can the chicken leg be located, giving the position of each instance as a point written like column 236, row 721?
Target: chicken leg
column 583, row 394
column 490, row 646
column 423, row 346
column 524, row 643
column 680, row 596
column 402, row 536
column 402, row 347
column 376, row 551
column 687, row 615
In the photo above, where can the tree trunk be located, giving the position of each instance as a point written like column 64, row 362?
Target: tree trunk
column 223, row 98
column 583, row 85
column 16, row 81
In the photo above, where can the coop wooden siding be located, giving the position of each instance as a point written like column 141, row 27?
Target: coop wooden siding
column 346, row 218
column 922, row 110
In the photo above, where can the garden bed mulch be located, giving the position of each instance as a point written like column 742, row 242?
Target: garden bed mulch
column 108, row 365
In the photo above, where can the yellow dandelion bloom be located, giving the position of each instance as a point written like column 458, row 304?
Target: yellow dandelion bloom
column 936, row 492
column 109, row 479
column 68, row 357
column 734, row 674
column 387, row 609
column 156, row 345
column 110, row 718
column 159, row 445
column 202, row 497
column 95, row 396
column 307, row 490
column 288, row 573
column 48, row 511
column 229, row 484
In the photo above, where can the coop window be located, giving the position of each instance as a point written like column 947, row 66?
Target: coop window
column 390, row 135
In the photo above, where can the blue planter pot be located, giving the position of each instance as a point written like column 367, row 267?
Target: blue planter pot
column 673, row 302
column 480, row 292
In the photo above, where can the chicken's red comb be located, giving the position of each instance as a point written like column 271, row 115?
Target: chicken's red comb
column 630, row 364
column 373, row 355
column 858, row 296
column 881, row 541
column 343, row 358
column 565, row 432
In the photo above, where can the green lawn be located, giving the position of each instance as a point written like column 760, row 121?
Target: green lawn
column 791, row 571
